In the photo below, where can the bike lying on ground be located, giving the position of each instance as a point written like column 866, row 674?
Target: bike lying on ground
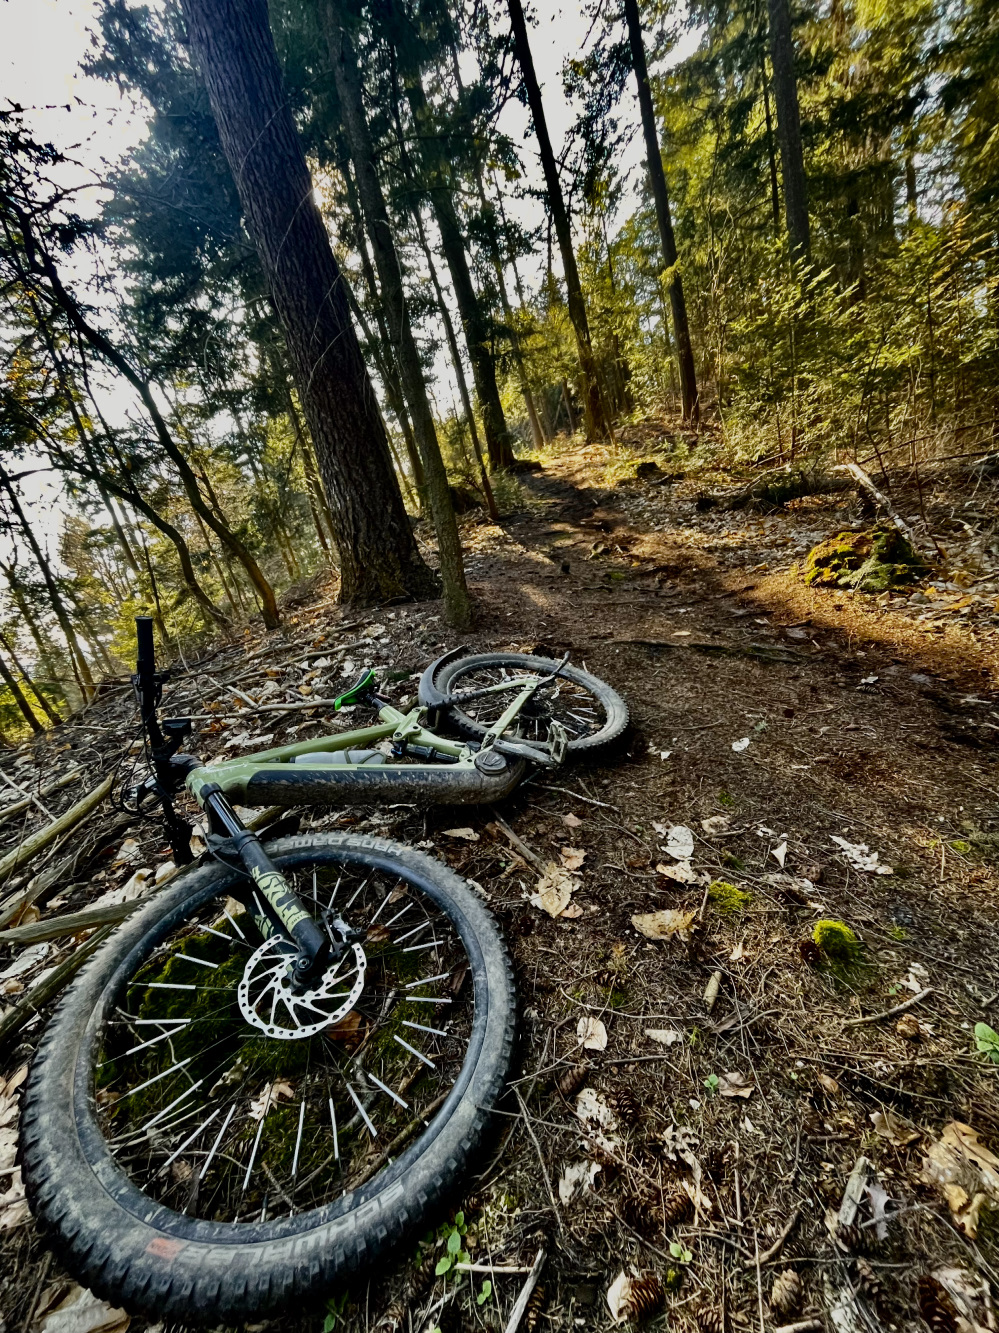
column 283, row 1062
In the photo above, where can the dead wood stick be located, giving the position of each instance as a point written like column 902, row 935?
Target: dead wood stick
column 588, row 800
column 262, row 708
column 772, row 1251
column 863, row 480
column 73, row 816
column 19, row 1013
column 526, row 1292
column 9, row 811
column 890, row 1013
column 33, row 798
column 516, row 843
column 70, row 923
column 802, row 1326
column 541, row 1158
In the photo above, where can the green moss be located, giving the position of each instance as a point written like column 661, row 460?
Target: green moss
column 838, row 942
column 732, row 861
column 962, row 848
column 727, row 897
column 872, row 562
column 724, row 799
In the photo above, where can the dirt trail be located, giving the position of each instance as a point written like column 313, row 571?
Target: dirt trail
column 769, row 719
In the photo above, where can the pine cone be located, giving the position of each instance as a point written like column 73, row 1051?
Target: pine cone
column 936, row 1306
column 418, row 1283
column 677, row 1208
column 854, row 1239
column 572, row 1080
column 714, row 1160
column 869, row 1283
column 641, row 1213
column 536, row 1304
column 811, row 954
column 449, row 1320
column 645, row 1297
column 628, row 1107
column 710, row 1321
column 786, row 1295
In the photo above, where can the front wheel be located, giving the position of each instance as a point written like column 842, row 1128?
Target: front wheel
column 203, row 1143
column 483, row 685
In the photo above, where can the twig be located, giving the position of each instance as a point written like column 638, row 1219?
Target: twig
column 775, row 1248
column 493, row 1268
column 587, row 800
column 890, row 1013
column 759, row 1278
column 517, row 844
column 802, row 1326
column 861, row 477
column 541, row 1159
column 526, row 1291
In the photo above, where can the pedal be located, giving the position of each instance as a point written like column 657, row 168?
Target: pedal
column 558, row 741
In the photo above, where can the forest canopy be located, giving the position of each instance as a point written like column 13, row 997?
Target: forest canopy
column 773, row 230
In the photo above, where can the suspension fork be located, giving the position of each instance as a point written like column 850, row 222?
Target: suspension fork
column 231, row 841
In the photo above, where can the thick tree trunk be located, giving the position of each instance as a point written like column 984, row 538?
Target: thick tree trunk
column 375, row 211
column 597, row 420
column 657, row 179
column 232, row 44
column 792, row 158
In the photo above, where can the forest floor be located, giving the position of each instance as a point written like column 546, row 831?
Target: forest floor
column 770, row 719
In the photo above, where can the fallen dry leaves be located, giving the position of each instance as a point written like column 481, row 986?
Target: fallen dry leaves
column 966, row 1173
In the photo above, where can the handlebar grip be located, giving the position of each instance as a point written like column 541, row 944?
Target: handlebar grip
column 145, row 661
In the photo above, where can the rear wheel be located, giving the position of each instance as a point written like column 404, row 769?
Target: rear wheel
column 203, row 1143
column 484, row 685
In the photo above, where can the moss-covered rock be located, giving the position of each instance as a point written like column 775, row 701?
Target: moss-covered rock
column 874, row 562
column 838, row 942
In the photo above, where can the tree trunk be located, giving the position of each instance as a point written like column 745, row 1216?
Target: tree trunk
column 25, row 675
column 45, row 648
column 657, row 179
column 597, row 420
column 26, row 710
column 459, row 369
column 375, row 211
column 789, row 132
column 386, row 360
column 81, row 666
column 771, row 150
column 232, row 44
column 440, row 192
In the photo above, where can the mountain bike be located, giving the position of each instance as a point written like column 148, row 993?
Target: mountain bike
column 283, row 1062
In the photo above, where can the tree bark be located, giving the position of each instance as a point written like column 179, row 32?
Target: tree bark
column 597, row 420
column 27, row 712
column 232, row 44
column 789, row 132
column 77, row 657
column 25, row 675
column 459, row 369
column 440, row 192
column 771, row 152
column 375, row 211
column 657, row 179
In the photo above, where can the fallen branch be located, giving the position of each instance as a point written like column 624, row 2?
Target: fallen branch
column 863, row 480
column 40, row 840
column 70, row 923
column 890, row 1013
column 587, row 800
column 526, row 1292
column 9, row 811
column 19, row 1013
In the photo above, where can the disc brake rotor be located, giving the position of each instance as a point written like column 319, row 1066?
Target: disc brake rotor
column 267, row 1001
